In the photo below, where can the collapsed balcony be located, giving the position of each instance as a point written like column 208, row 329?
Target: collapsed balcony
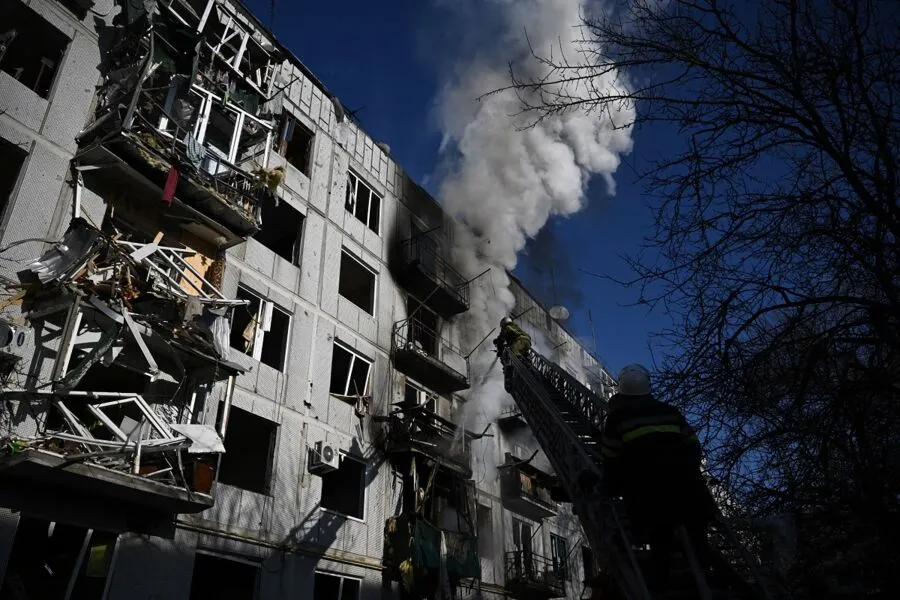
column 426, row 274
column 525, row 489
column 139, row 339
column 178, row 122
column 530, row 576
column 422, row 353
column 422, row 433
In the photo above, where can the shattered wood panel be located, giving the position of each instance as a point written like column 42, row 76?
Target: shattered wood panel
column 202, row 260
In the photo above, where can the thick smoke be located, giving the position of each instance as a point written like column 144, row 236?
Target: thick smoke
column 504, row 179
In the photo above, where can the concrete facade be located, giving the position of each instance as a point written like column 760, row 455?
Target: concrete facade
column 284, row 533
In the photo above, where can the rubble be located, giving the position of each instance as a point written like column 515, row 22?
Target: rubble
column 141, row 307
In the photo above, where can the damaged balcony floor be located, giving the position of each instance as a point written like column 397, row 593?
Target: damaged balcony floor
column 59, row 472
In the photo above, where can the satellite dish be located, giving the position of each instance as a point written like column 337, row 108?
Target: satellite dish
column 559, row 313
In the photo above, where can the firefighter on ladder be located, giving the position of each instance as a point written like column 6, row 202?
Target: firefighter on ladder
column 513, row 337
column 651, row 458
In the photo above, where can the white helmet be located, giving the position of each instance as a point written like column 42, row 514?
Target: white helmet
column 634, row 380
column 505, row 321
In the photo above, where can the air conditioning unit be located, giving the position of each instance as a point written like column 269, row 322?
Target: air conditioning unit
column 13, row 339
column 324, row 458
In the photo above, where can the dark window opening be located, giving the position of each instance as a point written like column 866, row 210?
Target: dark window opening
column 423, row 327
column 12, row 158
column 31, row 49
column 260, row 329
column 363, row 202
column 560, row 554
column 243, row 321
column 47, row 558
column 356, row 283
column 296, row 144
column 334, row 587
column 485, row 532
column 281, row 228
column 220, row 131
column 223, row 578
column 349, row 372
column 78, row 8
column 250, row 449
column 343, row 490
column 587, row 563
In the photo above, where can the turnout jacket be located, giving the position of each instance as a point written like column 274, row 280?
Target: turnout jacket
column 647, row 444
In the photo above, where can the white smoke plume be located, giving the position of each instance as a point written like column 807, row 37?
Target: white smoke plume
column 504, row 179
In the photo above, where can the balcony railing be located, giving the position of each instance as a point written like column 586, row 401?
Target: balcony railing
column 530, row 575
column 430, row 277
column 93, row 449
column 421, row 352
column 511, row 418
column 526, row 490
column 420, row 431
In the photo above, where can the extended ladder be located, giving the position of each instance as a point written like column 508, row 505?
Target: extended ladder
column 566, row 418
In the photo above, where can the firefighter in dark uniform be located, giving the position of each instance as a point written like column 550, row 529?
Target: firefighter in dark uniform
column 651, row 458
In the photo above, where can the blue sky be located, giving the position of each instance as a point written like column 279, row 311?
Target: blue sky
column 386, row 59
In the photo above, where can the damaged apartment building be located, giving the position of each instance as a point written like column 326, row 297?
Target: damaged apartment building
column 230, row 353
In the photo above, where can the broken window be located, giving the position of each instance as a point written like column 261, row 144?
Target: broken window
column 363, row 202
column 349, row 372
column 335, row 587
column 587, row 563
column 356, row 282
column 281, row 229
column 48, row 558
column 560, row 554
column 31, row 49
column 423, row 326
column 219, row 577
column 260, row 329
column 295, row 143
column 485, row 532
column 343, row 490
column 416, row 396
column 250, row 448
column 12, row 157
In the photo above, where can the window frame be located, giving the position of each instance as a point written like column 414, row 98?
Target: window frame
column 354, row 193
column 354, row 355
column 364, row 492
column 366, row 267
column 342, row 577
column 264, row 314
column 424, row 396
column 556, row 542
column 288, row 120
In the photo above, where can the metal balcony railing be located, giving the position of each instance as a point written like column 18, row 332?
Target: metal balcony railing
column 416, row 429
column 531, row 574
column 211, row 173
column 424, row 253
column 432, row 360
column 524, row 485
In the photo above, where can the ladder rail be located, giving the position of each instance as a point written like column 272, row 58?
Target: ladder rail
column 533, row 380
column 572, row 460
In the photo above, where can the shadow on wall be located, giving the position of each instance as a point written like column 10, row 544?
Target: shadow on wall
column 319, row 528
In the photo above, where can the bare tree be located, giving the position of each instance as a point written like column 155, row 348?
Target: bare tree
column 775, row 248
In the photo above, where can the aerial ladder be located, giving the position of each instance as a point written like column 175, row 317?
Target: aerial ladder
column 566, row 418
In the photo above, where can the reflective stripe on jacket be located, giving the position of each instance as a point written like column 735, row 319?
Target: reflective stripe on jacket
column 641, row 429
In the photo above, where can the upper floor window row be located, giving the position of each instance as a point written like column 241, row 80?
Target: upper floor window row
column 31, row 49
column 363, row 202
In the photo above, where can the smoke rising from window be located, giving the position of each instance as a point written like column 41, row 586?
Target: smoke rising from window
column 506, row 175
